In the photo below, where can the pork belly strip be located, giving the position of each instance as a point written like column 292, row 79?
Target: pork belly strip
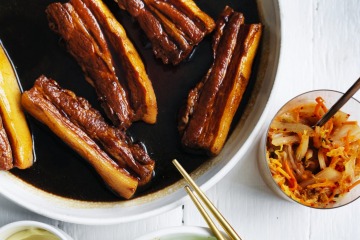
column 141, row 92
column 127, row 155
column 163, row 46
column 6, row 158
column 91, row 34
column 205, row 120
column 173, row 27
column 117, row 179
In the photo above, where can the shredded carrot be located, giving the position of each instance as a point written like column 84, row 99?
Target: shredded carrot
column 285, row 174
column 334, row 161
column 277, row 163
column 297, row 116
column 317, row 137
column 327, row 183
column 319, row 106
column 354, row 184
column 350, row 123
column 346, row 140
column 292, row 181
column 317, row 111
column 319, row 100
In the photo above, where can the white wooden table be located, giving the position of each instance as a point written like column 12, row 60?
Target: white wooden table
column 320, row 49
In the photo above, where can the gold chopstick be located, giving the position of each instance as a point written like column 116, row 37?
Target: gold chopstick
column 205, row 215
column 229, row 230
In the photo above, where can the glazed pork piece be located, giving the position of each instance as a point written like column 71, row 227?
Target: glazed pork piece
column 122, row 164
column 205, row 119
column 173, row 27
column 98, row 42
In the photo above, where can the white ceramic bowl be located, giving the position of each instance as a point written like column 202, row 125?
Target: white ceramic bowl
column 15, row 227
column 242, row 137
column 330, row 97
column 180, row 233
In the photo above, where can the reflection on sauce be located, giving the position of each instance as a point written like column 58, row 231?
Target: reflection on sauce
column 33, row 234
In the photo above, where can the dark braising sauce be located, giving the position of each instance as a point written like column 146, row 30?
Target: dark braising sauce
column 36, row 50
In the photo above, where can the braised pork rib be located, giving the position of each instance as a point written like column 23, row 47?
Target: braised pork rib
column 122, row 164
column 97, row 41
column 173, row 27
column 205, row 119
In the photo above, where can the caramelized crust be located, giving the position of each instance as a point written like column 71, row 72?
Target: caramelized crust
column 173, row 27
column 205, row 119
column 97, row 41
column 80, row 126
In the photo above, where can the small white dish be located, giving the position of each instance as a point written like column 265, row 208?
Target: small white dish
column 10, row 229
column 180, row 233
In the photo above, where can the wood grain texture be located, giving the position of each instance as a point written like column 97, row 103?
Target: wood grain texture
column 320, row 49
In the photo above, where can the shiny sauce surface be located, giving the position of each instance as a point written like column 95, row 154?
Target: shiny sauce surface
column 35, row 50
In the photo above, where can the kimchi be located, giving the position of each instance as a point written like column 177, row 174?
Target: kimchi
column 315, row 166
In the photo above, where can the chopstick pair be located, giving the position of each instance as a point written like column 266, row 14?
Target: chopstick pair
column 218, row 216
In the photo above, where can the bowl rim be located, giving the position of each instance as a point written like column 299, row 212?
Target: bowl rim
column 11, row 228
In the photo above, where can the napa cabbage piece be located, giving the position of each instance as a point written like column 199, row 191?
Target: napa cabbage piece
column 315, row 167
